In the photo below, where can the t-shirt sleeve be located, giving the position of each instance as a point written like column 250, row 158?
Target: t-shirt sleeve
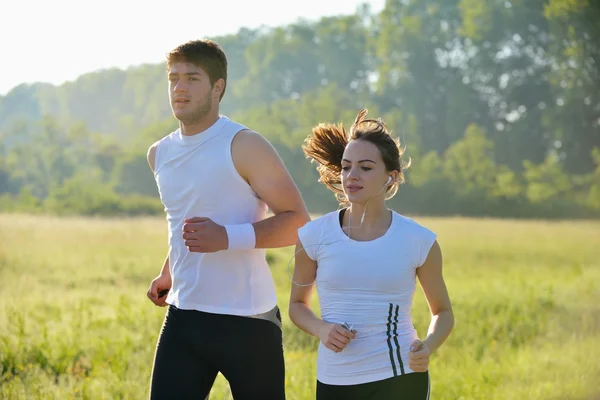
column 426, row 241
column 308, row 236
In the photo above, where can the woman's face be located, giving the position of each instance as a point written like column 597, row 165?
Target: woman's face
column 364, row 174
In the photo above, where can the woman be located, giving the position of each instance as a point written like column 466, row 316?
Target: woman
column 364, row 259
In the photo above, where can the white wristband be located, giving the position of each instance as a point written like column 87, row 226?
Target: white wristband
column 241, row 237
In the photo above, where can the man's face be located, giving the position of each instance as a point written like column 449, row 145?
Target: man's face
column 190, row 92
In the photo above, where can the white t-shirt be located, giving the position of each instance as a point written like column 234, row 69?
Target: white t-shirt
column 196, row 177
column 369, row 285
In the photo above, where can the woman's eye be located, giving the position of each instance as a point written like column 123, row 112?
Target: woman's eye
column 366, row 168
column 345, row 168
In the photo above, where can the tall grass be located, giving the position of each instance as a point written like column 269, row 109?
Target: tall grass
column 75, row 322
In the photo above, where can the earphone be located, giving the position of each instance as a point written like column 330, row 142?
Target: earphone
column 349, row 227
column 362, row 219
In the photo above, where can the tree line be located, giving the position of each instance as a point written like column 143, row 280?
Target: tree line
column 497, row 103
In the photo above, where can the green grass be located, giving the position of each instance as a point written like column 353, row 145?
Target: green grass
column 75, row 321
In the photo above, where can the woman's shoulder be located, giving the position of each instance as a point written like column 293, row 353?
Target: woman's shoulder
column 418, row 237
column 321, row 220
column 315, row 230
column 411, row 226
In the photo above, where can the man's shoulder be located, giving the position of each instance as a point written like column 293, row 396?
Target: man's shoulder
column 240, row 130
column 153, row 146
column 151, row 153
column 245, row 136
column 250, row 144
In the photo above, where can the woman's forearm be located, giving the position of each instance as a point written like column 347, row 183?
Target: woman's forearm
column 439, row 329
column 304, row 318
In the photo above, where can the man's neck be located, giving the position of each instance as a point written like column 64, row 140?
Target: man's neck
column 200, row 126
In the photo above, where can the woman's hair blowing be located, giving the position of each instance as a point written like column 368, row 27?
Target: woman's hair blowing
column 326, row 145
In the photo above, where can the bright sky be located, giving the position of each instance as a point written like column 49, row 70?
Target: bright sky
column 59, row 40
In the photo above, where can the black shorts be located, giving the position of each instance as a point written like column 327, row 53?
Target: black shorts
column 412, row 386
column 194, row 346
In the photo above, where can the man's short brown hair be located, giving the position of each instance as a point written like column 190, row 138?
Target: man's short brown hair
column 205, row 54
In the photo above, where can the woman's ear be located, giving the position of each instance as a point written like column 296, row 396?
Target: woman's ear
column 393, row 178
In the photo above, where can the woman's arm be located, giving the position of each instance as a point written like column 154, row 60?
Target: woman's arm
column 442, row 318
column 334, row 337
column 432, row 281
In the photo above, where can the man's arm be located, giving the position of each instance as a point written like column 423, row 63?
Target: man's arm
column 257, row 161
column 160, row 285
column 163, row 281
column 151, row 155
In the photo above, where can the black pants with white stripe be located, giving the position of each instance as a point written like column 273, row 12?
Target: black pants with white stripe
column 412, row 386
column 195, row 346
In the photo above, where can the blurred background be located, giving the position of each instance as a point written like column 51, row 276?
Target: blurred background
column 497, row 104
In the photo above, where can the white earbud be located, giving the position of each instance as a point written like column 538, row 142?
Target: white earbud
column 389, row 180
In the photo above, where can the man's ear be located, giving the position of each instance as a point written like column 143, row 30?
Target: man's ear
column 219, row 86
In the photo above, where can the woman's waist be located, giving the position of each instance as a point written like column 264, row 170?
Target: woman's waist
column 371, row 347
column 374, row 332
column 370, row 315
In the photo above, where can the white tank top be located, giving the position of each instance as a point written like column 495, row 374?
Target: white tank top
column 369, row 285
column 196, row 177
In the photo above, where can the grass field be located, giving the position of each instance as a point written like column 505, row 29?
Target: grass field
column 75, row 322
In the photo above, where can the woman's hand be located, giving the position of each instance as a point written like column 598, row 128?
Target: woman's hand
column 418, row 357
column 335, row 337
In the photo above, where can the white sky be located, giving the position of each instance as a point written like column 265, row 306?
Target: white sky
column 58, row 40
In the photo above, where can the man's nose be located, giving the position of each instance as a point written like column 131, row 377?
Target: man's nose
column 180, row 87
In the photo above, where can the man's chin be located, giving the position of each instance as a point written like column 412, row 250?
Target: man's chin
column 184, row 118
column 189, row 117
column 179, row 114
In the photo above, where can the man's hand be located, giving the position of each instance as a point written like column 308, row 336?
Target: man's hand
column 203, row 235
column 160, row 284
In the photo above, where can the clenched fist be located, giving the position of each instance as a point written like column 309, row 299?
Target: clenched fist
column 160, row 285
column 418, row 358
column 335, row 337
column 203, row 235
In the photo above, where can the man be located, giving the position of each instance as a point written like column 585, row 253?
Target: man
column 216, row 179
